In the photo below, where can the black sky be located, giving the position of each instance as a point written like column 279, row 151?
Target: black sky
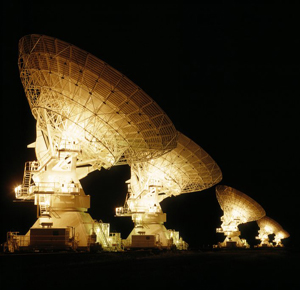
column 227, row 76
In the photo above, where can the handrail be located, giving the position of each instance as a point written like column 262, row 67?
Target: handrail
column 66, row 145
column 32, row 166
column 55, row 187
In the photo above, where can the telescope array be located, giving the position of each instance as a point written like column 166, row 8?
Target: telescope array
column 90, row 116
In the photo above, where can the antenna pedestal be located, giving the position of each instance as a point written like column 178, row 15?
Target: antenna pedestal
column 232, row 239
column 63, row 222
column 150, row 233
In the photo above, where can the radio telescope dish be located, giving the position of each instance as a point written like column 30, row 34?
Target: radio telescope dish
column 268, row 226
column 187, row 168
column 75, row 96
column 238, row 208
column 88, row 116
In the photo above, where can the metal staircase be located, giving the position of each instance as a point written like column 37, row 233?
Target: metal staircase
column 30, row 168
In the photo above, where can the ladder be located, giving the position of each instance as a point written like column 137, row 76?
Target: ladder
column 26, row 180
column 29, row 168
column 102, row 236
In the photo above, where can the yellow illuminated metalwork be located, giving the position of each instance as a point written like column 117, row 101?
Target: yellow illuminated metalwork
column 78, row 100
column 88, row 116
column 238, row 208
column 268, row 226
column 187, row 168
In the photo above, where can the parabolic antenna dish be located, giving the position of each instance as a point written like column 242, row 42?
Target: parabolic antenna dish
column 270, row 226
column 75, row 96
column 282, row 234
column 187, row 168
column 237, row 205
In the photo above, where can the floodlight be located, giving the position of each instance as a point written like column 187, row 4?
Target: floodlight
column 88, row 116
column 238, row 209
column 268, row 226
column 187, row 168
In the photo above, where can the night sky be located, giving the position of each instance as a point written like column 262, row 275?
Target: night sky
column 227, row 76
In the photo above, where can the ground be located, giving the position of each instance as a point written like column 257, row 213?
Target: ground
column 234, row 269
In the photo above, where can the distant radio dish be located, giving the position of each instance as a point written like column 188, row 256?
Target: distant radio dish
column 268, row 226
column 74, row 95
column 238, row 208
